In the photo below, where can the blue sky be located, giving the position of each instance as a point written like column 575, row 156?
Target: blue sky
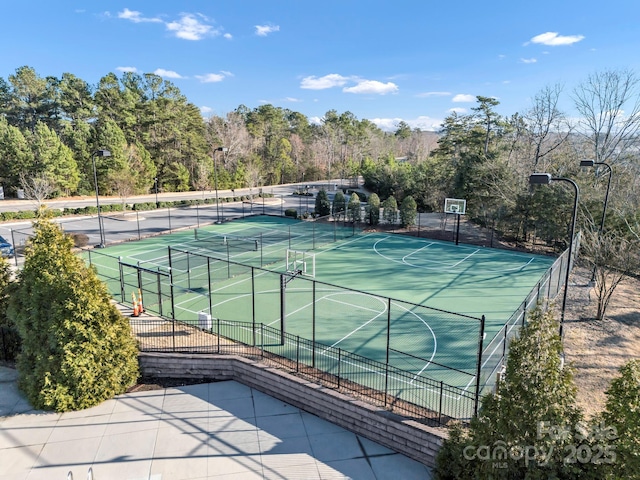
column 387, row 61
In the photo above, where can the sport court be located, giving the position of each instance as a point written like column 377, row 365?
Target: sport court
column 413, row 302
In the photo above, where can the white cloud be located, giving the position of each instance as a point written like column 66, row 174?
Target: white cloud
column 136, row 17
column 161, row 72
column 528, row 60
column 211, row 77
column 205, row 110
column 264, row 30
column 228, row 36
column 127, row 69
column 433, row 94
column 459, row 110
column 554, row 39
column 292, row 100
column 315, row 120
column 189, row 27
column 322, row 83
column 463, row 98
column 372, row 86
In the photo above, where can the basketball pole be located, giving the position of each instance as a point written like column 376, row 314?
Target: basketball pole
column 457, row 228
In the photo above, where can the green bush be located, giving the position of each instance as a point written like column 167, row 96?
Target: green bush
column 535, row 400
column 621, row 420
column 9, row 338
column 291, row 212
column 79, row 239
column 77, row 349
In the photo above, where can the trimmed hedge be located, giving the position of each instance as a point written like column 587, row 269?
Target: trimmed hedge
column 117, row 207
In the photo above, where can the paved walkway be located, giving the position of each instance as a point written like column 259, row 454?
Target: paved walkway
column 221, row 430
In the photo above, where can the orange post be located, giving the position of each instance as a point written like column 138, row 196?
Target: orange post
column 136, row 311
column 140, row 307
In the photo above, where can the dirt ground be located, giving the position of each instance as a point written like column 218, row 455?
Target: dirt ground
column 597, row 349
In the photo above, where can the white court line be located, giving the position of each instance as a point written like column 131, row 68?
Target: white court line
column 433, row 335
column 445, row 267
column 415, row 251
column 465, row 258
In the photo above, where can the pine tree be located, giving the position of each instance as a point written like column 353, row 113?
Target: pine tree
column 408, row 212
column 373, row 209
column 323, row 206
column 77, row 349
column 10, row 341
column 390, row 209
column 354, row 208
column 621, row 422
column 339, row 205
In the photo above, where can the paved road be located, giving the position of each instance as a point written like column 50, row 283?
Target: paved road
column 14, row 205
column 119, row 226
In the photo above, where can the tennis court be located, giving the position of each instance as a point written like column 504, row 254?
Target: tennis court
column 410, row 302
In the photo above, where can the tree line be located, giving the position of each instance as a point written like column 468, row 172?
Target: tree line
column 50, row 127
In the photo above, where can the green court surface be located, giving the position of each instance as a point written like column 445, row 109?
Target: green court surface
column 414, row 302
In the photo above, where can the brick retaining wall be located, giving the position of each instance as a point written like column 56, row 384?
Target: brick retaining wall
column 413, row 439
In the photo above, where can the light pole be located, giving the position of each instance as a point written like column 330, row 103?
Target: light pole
column 155, row 182
column 99, row 153
column 546, row 179
column 215, row 180
column 592, row 163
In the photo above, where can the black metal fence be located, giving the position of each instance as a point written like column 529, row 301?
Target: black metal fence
column 429, row 401
column 494, row 355
column 457, row 391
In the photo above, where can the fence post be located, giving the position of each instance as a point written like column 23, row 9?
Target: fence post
column 440, row 406
column 173, row 334
column 297, row 353
column 479, row 367
column 388, row 328
column 339, row 365
column 313, row 324
column 159, row 293
column 122, row 293
column 253, row 307
column 386, row 383
column 15, row 254
column 138, row 222
column 209, row 286
column 262, row 340
column 198, row 215
column 283, row 310
column 218, row 329
column 173, row 304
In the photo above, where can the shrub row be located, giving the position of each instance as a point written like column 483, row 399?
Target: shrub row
column 117, row 207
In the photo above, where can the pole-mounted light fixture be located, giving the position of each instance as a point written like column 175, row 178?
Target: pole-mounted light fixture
column 215, row 180
column 99, row 153
column 546, row 179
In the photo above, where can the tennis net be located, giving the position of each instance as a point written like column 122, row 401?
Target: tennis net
column 216, row 241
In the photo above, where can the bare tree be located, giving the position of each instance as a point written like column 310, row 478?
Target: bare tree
column 202, row 179
column 124, row 184
column 547, row 126
column 37, row 187
column 612, row 257
column 609, row 105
